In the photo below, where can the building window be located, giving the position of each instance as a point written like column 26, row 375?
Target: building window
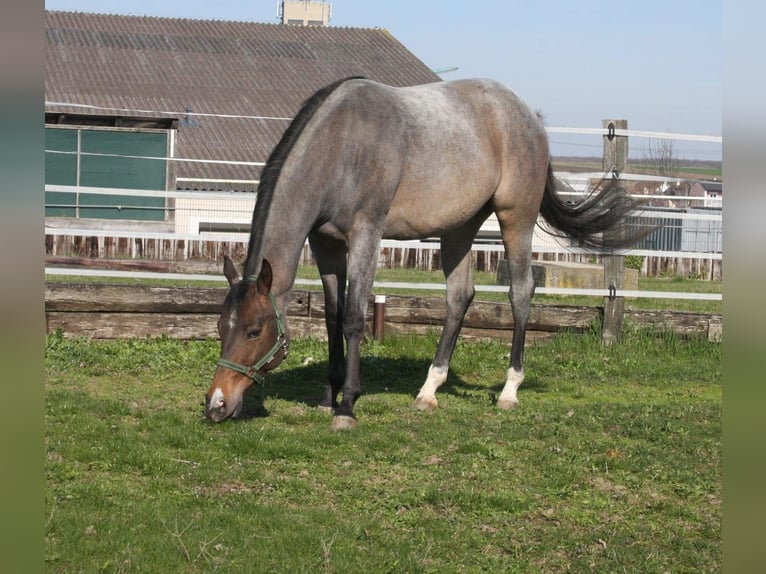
column 79, row 156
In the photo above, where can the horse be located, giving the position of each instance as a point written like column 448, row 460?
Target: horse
column 363, row 161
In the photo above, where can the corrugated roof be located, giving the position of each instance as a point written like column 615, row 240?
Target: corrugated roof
column 149, row 65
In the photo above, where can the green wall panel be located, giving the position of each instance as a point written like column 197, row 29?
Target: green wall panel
column 60, row 169
column 127, row 163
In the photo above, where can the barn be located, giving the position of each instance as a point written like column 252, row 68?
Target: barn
column 156, row 105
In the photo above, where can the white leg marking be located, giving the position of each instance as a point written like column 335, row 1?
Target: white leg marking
column 507, row 398
column 426, row 399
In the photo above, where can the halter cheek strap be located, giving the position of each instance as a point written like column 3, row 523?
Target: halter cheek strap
column 252, row 371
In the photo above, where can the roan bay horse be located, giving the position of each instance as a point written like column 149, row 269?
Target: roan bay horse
column 363, row 161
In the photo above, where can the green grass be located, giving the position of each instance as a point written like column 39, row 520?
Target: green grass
column 611, row 463
column 687, row 169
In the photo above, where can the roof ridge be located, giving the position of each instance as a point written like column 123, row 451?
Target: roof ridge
column 215, row 20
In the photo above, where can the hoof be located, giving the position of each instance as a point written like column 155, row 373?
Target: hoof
column 425, row 404
column 343, row 423
column 324, row 409
column 506, row 404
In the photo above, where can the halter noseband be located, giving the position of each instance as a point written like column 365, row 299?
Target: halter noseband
column 280, row 344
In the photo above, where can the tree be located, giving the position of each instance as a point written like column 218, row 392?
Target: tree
column 661, row 157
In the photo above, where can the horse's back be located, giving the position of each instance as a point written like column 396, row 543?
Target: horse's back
column 456, row 144
column 427, row 157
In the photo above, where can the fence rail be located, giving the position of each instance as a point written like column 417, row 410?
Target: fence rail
column 605, row 292
column 602, row 131
column 206, row 224
column 197, row 215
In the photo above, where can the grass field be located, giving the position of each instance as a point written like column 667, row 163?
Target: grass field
column 685, row 169
column 612, row 463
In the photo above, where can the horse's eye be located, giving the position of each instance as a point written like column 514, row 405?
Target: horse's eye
column 254, row 334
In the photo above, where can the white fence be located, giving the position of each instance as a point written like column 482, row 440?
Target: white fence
column 204, row 216
column 226, row 216
column 688, row 232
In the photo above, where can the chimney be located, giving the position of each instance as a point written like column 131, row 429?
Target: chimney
column 304, row 13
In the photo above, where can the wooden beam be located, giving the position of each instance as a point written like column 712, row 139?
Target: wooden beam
column 104, row 311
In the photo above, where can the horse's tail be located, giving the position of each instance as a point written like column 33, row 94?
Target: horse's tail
column 598, row 221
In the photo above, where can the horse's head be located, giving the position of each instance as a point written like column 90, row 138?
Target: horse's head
column 253, row 340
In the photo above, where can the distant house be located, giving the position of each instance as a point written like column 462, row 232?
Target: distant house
column 164, row 103
column 710, row 191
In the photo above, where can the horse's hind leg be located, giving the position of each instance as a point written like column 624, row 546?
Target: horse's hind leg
column 456, row 263
column 330, row 256
column 518, row 244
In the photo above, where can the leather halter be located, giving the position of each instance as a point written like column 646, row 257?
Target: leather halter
column 252, row 372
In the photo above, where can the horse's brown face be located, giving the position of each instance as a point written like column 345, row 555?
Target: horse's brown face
column 248, row 330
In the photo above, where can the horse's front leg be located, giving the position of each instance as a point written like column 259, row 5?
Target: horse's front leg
column 330, row 256
column 362, row 262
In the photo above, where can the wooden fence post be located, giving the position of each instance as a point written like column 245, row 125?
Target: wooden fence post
column 379, row 318
column 615, row 147
column 614, row 304
column 614, row 160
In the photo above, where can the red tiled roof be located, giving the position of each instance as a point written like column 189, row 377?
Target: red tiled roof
column 211, row 67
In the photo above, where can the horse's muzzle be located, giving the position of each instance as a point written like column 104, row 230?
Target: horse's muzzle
column 217, row 409
column 216, row 415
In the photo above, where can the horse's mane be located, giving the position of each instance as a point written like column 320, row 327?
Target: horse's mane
column 273, row 167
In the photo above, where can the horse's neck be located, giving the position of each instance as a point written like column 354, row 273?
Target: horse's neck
column 282, row 245
column 284, row 258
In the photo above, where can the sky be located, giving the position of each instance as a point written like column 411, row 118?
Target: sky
column 655, row 63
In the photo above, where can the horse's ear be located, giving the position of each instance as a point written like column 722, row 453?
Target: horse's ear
column 264, row 278
column 229, row 271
